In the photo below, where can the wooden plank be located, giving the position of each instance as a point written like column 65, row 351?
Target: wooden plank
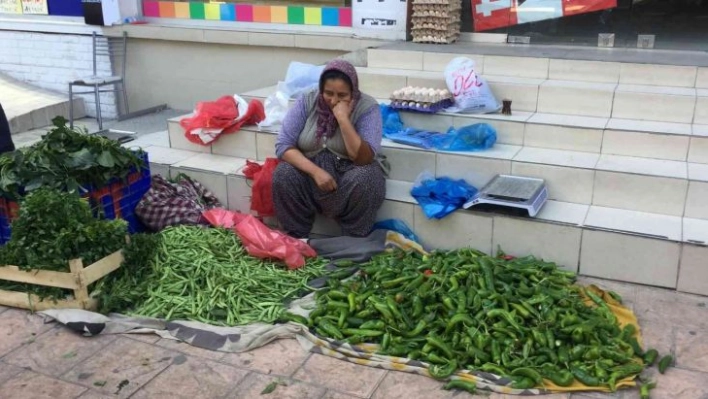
column 102, row 267
column 32, row 302
column 80, row 293
column 39, row 277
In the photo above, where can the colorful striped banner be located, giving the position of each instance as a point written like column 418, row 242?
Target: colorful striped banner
column 219, row 11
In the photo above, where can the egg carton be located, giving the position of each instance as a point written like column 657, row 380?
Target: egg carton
column 442, row 18
column 439, row 30
column 429, row 32
column 433, row 39
column 443, row 8
column 429, row 108
column 436, row 2
column 420, row 94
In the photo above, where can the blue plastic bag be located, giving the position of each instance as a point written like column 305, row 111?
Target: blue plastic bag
column 392, row 123
column 398, row 226
column 439, row 197
column 415, row 138
column 477, row 137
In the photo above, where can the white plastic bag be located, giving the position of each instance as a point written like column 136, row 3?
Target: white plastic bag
column 275, row 106
column 301, row 78
column 472, row 93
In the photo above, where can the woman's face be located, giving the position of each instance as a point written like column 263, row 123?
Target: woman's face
column 336, row 90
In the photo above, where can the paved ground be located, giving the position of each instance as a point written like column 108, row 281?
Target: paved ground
column 40, row 361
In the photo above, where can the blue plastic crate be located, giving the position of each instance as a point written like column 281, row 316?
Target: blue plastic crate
column 117, row 199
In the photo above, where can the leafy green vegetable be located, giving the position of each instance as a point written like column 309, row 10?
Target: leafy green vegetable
column 67, row 160
column 52, row 228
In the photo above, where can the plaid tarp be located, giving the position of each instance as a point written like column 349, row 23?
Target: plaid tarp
column 170, row 204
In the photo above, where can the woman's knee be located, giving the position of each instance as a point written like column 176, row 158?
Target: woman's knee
column 368, row 184
column 285, row 176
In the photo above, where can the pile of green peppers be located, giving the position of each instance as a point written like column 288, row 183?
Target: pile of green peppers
column 522, row 318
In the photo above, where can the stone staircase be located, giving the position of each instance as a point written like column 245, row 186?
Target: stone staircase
column 623, row 148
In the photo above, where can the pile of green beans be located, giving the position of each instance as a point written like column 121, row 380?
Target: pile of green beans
column 522, row 318
column 205, row 274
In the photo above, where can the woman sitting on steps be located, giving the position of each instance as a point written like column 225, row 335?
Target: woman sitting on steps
column 329, row 142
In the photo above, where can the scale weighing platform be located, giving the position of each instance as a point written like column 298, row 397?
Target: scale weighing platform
column 524, row 193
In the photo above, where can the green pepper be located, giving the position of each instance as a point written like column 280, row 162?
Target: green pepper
column 650, row 357
column 343, row 314
column 562, row 378
column 528, row 372
column 434, row 358
column 386, row 341
column 523, row 383
column 539, row 337
column 352, row 301
column 563, row 355
column 439, row 344
column 521, row 310
column 494, row 369
column 527, row 348
column 585, row 377
column 373, row 325
column 664, row 363
column 447, row 301
column 395, row 282
column 496, row 352
column 337, row 295
column 457, row 319
column 330, row 329
column 461, row 301
column 384, row 310
column 362, row 332
column 442, row 372
column 505, row 315
column 462, row 385
column 592, row 354
column 635, row 347
column 417, row 330
column 477, row 353
column 336, row 305
column 417, row 307
column 645, row 388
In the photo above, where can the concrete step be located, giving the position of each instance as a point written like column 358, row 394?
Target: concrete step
column 648, row 68
column 28, row 107
column 612, row 136
column 674, row 188
column 599, row 241
column 565, row 97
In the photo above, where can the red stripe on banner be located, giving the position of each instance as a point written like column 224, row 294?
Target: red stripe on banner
column 575, row 7
column 495, row 14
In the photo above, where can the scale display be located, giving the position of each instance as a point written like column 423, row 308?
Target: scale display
column 512, row 191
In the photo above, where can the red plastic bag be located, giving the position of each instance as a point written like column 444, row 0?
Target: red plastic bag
column 261, row 241
column 262, row 189
column 222, row 114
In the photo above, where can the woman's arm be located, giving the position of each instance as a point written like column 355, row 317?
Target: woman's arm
column 286, row 146
column 364, row 139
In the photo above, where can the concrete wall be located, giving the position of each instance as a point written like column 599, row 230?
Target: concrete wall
column 182, row 73
column 50, row 61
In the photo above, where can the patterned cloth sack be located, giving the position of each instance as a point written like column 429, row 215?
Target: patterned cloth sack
column 170, row 204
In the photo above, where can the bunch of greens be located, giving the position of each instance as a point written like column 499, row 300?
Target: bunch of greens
column 128, row 285
column 66, row 160
column 52, row 228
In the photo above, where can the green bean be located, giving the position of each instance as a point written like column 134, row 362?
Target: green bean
column 196, row 271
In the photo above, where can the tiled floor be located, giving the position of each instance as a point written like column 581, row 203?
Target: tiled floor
column 56, row 363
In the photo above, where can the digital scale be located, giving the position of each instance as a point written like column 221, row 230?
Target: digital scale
column 524, row 193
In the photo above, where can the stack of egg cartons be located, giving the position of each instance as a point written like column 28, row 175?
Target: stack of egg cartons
column 420, row 98
column 436, row 21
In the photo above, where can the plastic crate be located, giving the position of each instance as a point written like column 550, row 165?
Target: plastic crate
column 117, row 199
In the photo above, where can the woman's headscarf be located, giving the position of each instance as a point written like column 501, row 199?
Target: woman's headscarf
column 326, row 122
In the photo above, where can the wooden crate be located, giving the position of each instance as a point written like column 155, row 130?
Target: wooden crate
column 78, row 280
